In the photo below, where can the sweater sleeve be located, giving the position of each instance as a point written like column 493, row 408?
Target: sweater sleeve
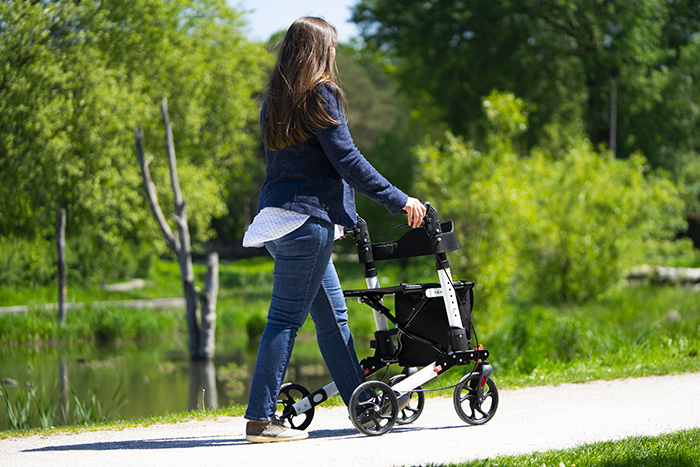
column 347, row 160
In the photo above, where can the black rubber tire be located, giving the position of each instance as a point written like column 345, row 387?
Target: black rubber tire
column 373, row 408
column 471, row 408
column 412, row 411
column 290, row 394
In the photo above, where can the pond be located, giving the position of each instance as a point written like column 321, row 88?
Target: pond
column 154, row 378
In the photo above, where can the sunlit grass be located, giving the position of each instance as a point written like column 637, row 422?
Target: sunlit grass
column 680, row 449
column 175, row 417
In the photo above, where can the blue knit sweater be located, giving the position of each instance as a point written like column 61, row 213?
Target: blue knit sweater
column 317, row 176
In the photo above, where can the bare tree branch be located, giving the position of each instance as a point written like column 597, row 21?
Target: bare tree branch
column 201, row 328
column 171, row 152
column 152, row 195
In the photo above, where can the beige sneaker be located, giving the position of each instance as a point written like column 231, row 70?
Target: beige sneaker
column 272, row 431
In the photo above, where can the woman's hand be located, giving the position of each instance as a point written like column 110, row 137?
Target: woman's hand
column 415, row 210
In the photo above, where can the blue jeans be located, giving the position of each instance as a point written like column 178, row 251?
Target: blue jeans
column 304, row 281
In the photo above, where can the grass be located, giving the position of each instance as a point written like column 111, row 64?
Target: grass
column 176, row 417
column 21, row 410
column 634, row 331
column 680, row 449
column 103, row 323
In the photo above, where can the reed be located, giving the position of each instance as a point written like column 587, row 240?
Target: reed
column 20, row 410
column 29, row 408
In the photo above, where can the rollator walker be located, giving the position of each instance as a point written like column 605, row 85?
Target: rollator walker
column 430, row 333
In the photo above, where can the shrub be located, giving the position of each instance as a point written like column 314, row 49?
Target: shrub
column 90, row 261
column 546, row 227
column 24, row 262
column 589, row 218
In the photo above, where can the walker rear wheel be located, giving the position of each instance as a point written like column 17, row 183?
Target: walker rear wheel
column 412, row 411
column 473, row 405
column 373, row 408
column 290, row 394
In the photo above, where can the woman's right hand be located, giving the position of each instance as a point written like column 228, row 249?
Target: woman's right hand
column 416, row 212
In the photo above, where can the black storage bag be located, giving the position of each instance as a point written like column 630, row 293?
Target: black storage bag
column 426, row 317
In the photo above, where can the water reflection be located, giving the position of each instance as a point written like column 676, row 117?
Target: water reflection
column 157, row 378
column 203, row 394
column 63, row 390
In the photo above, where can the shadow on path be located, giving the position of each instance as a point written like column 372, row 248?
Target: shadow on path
column 146, row 444
column 198, row 442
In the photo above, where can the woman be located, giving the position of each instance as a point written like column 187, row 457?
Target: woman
column 305, row 201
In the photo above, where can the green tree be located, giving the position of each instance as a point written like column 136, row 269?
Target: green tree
column 78, row 77
column 616, row 69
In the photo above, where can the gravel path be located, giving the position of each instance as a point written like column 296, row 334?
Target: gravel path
column 527, row 420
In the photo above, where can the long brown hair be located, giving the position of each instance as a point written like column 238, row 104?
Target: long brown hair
column 305, row 61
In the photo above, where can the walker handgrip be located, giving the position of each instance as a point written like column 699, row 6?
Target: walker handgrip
column 360, row 233
column 431, row 220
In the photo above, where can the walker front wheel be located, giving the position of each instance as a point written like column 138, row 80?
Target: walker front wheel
column 475, row 400
column 290, row 394
column 373, row 408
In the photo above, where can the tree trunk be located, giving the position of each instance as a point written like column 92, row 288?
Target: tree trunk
column 201, row 328
column 211, row 291
column 61, row 246
column 184, row 258
column 613, row 116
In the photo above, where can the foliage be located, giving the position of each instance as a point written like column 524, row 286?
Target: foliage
column 79, row 77
column 25, row 261
column 546, row 227
column 30, row 263
column 575, row 61
column 594, row 218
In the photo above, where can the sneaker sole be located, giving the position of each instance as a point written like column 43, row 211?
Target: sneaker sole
column 275, row 439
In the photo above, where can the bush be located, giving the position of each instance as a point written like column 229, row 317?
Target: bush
column 90, row 261
column 32, row 263
column 546, row 227
column 24, row 262
column 589, row 218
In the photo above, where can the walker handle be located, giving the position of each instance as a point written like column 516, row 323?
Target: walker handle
column 431, row 221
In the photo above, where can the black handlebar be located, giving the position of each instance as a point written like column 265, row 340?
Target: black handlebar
column 431, row 221
column 360, row 233
column 434, row 237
